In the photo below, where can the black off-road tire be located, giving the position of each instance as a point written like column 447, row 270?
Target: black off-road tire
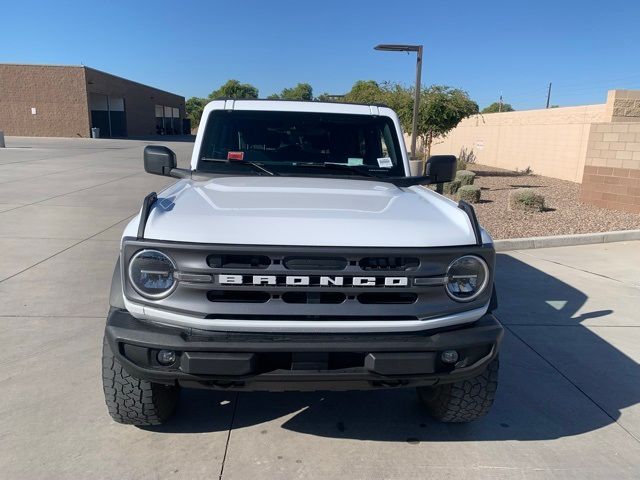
column 463, row 401
column 131, row 400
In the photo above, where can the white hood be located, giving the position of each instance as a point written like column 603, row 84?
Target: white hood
column 253, row 210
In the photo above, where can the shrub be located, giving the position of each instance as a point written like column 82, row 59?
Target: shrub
column 451, row 187
column 465, row 177
column 465, row 158
column 469, row 193
column 526, row 199
column 525, row 171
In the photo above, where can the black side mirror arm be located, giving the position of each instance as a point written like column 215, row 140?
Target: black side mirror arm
column 179, row 173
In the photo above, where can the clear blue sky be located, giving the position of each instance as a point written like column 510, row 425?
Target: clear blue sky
column 188, row 47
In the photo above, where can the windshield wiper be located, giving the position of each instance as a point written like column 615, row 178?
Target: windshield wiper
column 340, row 166
column 253, row 165
column 397, row 181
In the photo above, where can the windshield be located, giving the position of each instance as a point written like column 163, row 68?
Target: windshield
column 300, row 143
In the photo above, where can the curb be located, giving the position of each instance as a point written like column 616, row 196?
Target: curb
column 564, row 240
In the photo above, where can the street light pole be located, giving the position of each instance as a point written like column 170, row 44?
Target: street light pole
column 416, row 99
column 416, row 103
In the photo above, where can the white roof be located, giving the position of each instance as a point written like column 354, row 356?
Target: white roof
column 293, row 106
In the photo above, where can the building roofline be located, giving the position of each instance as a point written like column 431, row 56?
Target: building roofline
column 132, row 81
column 95, row 70
column 41, row 65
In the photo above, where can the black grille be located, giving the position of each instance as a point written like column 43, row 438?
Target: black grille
column 389, row 263
column 313, row 297
column 327, row 290
column 238, row 296
column 239, row 261
column 315, row 263
column 307, row 263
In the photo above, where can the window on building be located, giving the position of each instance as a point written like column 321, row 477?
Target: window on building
column 168, row 128
column 168, row 120
column 159, row 119
column 177, row 126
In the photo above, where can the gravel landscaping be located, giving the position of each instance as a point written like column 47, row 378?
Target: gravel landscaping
column 563, row 214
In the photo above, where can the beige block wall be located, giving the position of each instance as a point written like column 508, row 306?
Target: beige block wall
column 612, row 167
column 623, row 105
column 615, row 145
column 552, row 142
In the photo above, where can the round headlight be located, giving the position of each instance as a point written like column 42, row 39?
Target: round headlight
column 152, row 274
column 467, row 277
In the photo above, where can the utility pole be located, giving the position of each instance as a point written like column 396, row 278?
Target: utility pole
column 500, row 103
column 549, row 95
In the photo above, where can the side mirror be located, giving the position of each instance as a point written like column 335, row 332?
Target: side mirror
column 441, row 168
column 159, row 160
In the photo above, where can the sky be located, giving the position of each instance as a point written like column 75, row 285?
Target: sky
column 484, row 47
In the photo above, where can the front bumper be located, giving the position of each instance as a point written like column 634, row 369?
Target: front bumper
column 296, row 361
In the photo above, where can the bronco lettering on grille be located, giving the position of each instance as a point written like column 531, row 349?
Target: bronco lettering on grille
column 319, row 280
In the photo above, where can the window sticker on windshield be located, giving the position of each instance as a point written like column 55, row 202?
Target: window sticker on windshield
column 355, row 161
column 385, row 162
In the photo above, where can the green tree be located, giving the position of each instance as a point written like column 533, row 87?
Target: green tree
column 442, row 108
column 194, row 107
column 401, row 100
column 302, row 91
column 495, row 107
column 365, row 91
column 234, row 89
column 325, row 97
column 330, row 97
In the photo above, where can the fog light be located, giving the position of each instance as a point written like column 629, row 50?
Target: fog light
column 166, row 357
column 449, row 356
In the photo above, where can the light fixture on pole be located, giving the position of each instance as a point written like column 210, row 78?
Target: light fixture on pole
column 416, row 100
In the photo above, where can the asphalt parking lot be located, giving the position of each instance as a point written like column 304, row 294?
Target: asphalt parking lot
column 567, row 405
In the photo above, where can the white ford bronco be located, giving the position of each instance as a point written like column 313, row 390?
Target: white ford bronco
column 297, row 253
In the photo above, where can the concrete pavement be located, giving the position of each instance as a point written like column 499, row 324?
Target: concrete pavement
column 567, row 405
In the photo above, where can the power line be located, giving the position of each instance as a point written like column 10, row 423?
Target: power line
column 573, row 87
column 601, row 81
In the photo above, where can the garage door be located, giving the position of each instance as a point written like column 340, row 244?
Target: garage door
column 108, row 114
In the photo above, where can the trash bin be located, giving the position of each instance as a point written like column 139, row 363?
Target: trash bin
column 2, row 139
column 95, row 132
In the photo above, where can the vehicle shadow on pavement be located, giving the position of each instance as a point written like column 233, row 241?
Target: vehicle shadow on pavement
column 557, row 379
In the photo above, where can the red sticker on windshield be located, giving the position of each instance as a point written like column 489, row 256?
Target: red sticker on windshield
column 235, row 156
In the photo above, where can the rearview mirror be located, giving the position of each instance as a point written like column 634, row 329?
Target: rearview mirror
column 159, row 160
column 441, row 168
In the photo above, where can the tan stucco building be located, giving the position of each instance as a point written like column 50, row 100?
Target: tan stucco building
column 67, row 101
